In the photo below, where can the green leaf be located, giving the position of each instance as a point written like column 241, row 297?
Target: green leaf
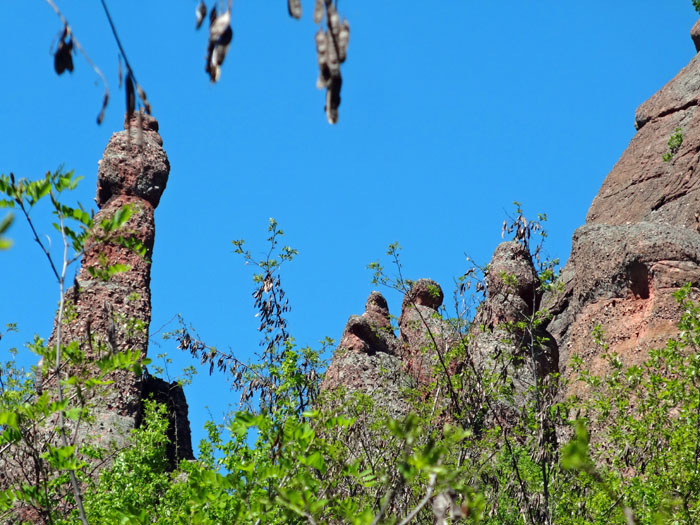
column 9, row 418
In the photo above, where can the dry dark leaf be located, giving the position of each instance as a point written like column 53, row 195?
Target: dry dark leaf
column 294, row 8
column 119, row 71
column 144, row 100
column 101, row 116
column 318, row 11
column 200, row 13
column 63, row 57
column 130, row 96
column 324, row 77
column 220, row 36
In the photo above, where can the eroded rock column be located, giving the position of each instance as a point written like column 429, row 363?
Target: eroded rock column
column 107, row 317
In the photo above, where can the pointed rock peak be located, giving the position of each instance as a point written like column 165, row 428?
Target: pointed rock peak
column 370, row 332
column 424, row 292
column 511, row 271
column 695, row 35
column 377, row 304
column 377, row 311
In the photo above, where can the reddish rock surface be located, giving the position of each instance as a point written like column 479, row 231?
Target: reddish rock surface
column 695, row 35
column 511, row 285
column 425, row 336
column 369, row 358
column 114, row 316
column 639, row 245
column 640, row 242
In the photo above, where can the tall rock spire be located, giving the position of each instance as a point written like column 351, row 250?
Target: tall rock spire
column 113, row 316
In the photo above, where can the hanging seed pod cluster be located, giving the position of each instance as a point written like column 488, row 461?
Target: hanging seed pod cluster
column 331, row 51
column 220, row 37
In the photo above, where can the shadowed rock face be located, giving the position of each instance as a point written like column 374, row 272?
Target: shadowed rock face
column 640, row 242
column 173, row 397
column 114, row 316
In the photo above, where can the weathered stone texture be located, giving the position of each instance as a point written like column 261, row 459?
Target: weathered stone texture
column 526, row 357
column 366, row 359
column 424, row 335
column 640, row 242
column 106, row 317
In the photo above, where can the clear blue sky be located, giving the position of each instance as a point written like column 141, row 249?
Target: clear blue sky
column 450, row 112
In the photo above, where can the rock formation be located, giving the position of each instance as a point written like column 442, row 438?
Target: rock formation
column 425, row 336
column 367, row 359
column 505, row 336
column 640, row 242
column 371, row 360
column 112, row 316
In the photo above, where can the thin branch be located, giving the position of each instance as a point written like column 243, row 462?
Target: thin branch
column 421, row 504
column 37, row 239
column 59, row 388
column 116, row 38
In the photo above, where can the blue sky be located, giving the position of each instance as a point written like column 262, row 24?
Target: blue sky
column 450, row 111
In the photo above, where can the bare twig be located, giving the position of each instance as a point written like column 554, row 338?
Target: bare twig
column 59, row 388
column 421, row 503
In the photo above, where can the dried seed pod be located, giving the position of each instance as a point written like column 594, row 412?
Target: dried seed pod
column 332, row 54
column 343, row 39
column 318, row 11
column 144, row 100
column 220, row 37
column 294, row 8
column 324, row 76
column 200, row 13
column 130, row 104
column 63, row 57
column 101, row 115
column 333, row 19
column 333, row 98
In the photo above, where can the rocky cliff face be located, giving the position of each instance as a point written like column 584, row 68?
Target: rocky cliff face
column 640, row 242
column 112, row 316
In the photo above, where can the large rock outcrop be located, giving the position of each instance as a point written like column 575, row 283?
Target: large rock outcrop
column 640, row 242
column 371, row 360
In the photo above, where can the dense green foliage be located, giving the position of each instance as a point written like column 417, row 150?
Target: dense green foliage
column 472, row 447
